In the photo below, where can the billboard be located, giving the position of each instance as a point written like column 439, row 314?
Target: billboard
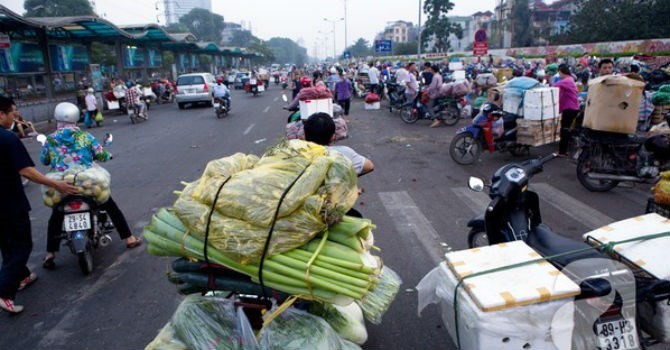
column 133, row 57
column 155, row 58
column 21, row 58
column 67, row 58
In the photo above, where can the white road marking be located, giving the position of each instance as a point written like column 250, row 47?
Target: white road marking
column 266, row 109
column 276, row 99
column 476, row 201
column 259, row 141
column 249, row 129
column 409, row 220
column 575, row 209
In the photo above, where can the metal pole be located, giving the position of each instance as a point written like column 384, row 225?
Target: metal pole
column 419, row 39
column 346, row 38
column 334, row 43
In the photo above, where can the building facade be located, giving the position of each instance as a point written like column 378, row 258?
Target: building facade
column 547, row 19
column 398, row 32
column 175, row 9
column 229, row 31
column 469, row 24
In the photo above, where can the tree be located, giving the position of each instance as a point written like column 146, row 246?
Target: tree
column 176, row 28
column 242, row 38
column 408, row 48
column 438, row 27
column 287, row 51
column 265, row 50
column 521, row 24
column 361, row 48
column 103, row 54
column 613, row 20
column 57, row 8
column 206, row 26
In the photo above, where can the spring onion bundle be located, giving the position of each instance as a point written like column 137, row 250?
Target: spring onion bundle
column 338, row 274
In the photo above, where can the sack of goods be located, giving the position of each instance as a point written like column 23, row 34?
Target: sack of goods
column 646, row 249
column 457, row 88
column 296, row 130
column 280, row 220
column 93, row 182
column 613, row 104
column 315, row 93
column 372, row 97
column 661, row 190
column 486, row 80
column 528, row 306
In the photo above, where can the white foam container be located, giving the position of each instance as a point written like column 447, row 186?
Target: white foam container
column 373, row 106
column 309, row 107
column 540, row 104
column 526, row 307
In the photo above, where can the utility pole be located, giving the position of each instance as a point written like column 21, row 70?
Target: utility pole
column 346, row 38
column 334, row 22
column 419, row 40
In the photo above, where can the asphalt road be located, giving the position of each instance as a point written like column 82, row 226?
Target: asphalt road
column 417, row 197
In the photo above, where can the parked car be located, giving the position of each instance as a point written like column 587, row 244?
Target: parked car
column 195, row 88
column 240, row 79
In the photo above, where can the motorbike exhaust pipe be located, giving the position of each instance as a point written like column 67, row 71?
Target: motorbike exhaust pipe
column 105, row 240
column 623, row 178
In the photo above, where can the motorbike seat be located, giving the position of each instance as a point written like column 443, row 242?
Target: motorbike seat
column 548, row 243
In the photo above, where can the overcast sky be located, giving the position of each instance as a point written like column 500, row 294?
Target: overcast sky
column 295, row 19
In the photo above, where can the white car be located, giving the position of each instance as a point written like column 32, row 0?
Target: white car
column 195, row 88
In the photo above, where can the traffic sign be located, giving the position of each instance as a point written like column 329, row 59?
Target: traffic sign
column 4, row 41
column 347, row 54
column 481, row 45
column 480, row 36
column 383, row 46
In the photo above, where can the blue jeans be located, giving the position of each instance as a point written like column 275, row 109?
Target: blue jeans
column 88, row 118
column 16, row 244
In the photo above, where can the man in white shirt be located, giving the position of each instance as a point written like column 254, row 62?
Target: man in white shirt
column 320, row 128
column 373, row 74
column 91, row 108
column 409, row 82
column 221, row 92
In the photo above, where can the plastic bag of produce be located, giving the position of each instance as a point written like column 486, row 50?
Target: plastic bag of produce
column 295, row 329
column 486, row 80
column 166, row 340
column 211, row 322
column 93, row 182
column 295, row 130
column 347, row 320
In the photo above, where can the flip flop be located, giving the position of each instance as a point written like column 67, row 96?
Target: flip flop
column 136, row 243
column 49, row 263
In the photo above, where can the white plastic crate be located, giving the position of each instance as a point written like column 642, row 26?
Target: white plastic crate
column 309, row 107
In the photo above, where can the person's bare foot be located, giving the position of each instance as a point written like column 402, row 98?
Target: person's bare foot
column 435, row 123
column 132, row 242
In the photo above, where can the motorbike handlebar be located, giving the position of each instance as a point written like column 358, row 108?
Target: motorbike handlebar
column 537, row 164
column 493, row 204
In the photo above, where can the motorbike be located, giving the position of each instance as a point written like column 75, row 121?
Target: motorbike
column 447, row 106
column 396, row 95
column 514, row 214
column 294, row 113
column 221, row 106
column 605, row 159
column 284, row 82
column 134, row 113
column 85, row 226
column 467, row 145
column 254, row 86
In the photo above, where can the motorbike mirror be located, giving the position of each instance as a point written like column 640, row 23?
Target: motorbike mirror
column 476, row 184
column 284, row 98
column 41, row 139
column 108, row 140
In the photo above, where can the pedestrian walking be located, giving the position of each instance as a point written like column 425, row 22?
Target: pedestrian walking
column 568, row 105
column 15, row 236
column 91, row 108
column 343, row 91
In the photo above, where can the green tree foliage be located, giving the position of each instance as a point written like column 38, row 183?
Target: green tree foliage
column 242, row 38
column 521, row 24
column 437, row 25
column 361, row 48
column 176, row 28
column 612, row 20
column 57, row 8
column 206, row 26
column 408, row 48
column 287, row 51
column 264, row 49
column 103, row 54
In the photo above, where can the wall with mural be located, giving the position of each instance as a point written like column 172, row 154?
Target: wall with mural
column 598, row 49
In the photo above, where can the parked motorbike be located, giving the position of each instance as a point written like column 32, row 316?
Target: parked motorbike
column 514, row 214
column 221, row 106
column 85, row 225
column 606, row 159
column 447, row 107
column 467, row 145
column 396, row 95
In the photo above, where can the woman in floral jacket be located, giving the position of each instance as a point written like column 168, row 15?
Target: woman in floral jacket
column 67, row 147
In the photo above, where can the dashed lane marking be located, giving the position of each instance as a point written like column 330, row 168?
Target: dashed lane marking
column 249, row 129
column 266, row 109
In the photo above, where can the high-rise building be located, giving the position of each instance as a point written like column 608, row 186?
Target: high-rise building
column 174, row 9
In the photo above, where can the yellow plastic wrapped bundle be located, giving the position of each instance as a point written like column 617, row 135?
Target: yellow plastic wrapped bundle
column 92, row 182
column 662, row 189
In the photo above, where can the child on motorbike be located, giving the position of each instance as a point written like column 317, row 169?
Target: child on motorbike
column 69, row 146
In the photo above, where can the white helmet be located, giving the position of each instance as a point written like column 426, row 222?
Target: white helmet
column 333, row 70
column 66, row 112
column 90, row 90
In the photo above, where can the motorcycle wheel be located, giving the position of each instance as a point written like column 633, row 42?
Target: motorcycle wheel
column 451, row 115
column 477, row 239
column 583, row 170
column 408, row 115
column 465, row 149
column 86, row 259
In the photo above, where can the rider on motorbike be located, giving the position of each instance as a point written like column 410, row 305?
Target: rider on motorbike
column 305, row 82
column 221, row 92
column 69, row 146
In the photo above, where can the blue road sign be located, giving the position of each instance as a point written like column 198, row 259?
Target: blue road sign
column 347, row 54
column 383, row 46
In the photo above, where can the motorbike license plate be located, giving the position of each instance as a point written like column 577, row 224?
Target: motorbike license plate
column 617, row 335
column 252, row 81
column 77, row 222
column 217, row 105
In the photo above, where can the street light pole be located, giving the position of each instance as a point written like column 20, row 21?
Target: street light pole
column 334, row 22
column 346, row 38
column 418, row 49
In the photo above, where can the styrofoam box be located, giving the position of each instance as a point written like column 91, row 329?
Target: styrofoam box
column 373, row 106
column 459, row 75
column 650, row 255
column 309, row 107
column 112, row 105
column 527, row 307
column 453, row 66
column 540, row 104
column 512, row 104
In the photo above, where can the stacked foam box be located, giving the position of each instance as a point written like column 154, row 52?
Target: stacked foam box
column 538, row 132
column 528, row 307
column 309, row 107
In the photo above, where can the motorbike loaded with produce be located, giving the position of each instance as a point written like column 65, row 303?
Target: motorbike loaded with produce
column 269, row 241
column 546, row 291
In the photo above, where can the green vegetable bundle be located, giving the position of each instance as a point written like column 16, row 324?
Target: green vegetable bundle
column 296, row 185
column 342, row 268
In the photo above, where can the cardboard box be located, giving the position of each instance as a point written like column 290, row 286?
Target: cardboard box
column 538, row 132
column 540, row 103
column 494, row 309
column 309, row 107
column 613, row 104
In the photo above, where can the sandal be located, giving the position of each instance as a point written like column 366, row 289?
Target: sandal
column 49, row 263
column 134, row 244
